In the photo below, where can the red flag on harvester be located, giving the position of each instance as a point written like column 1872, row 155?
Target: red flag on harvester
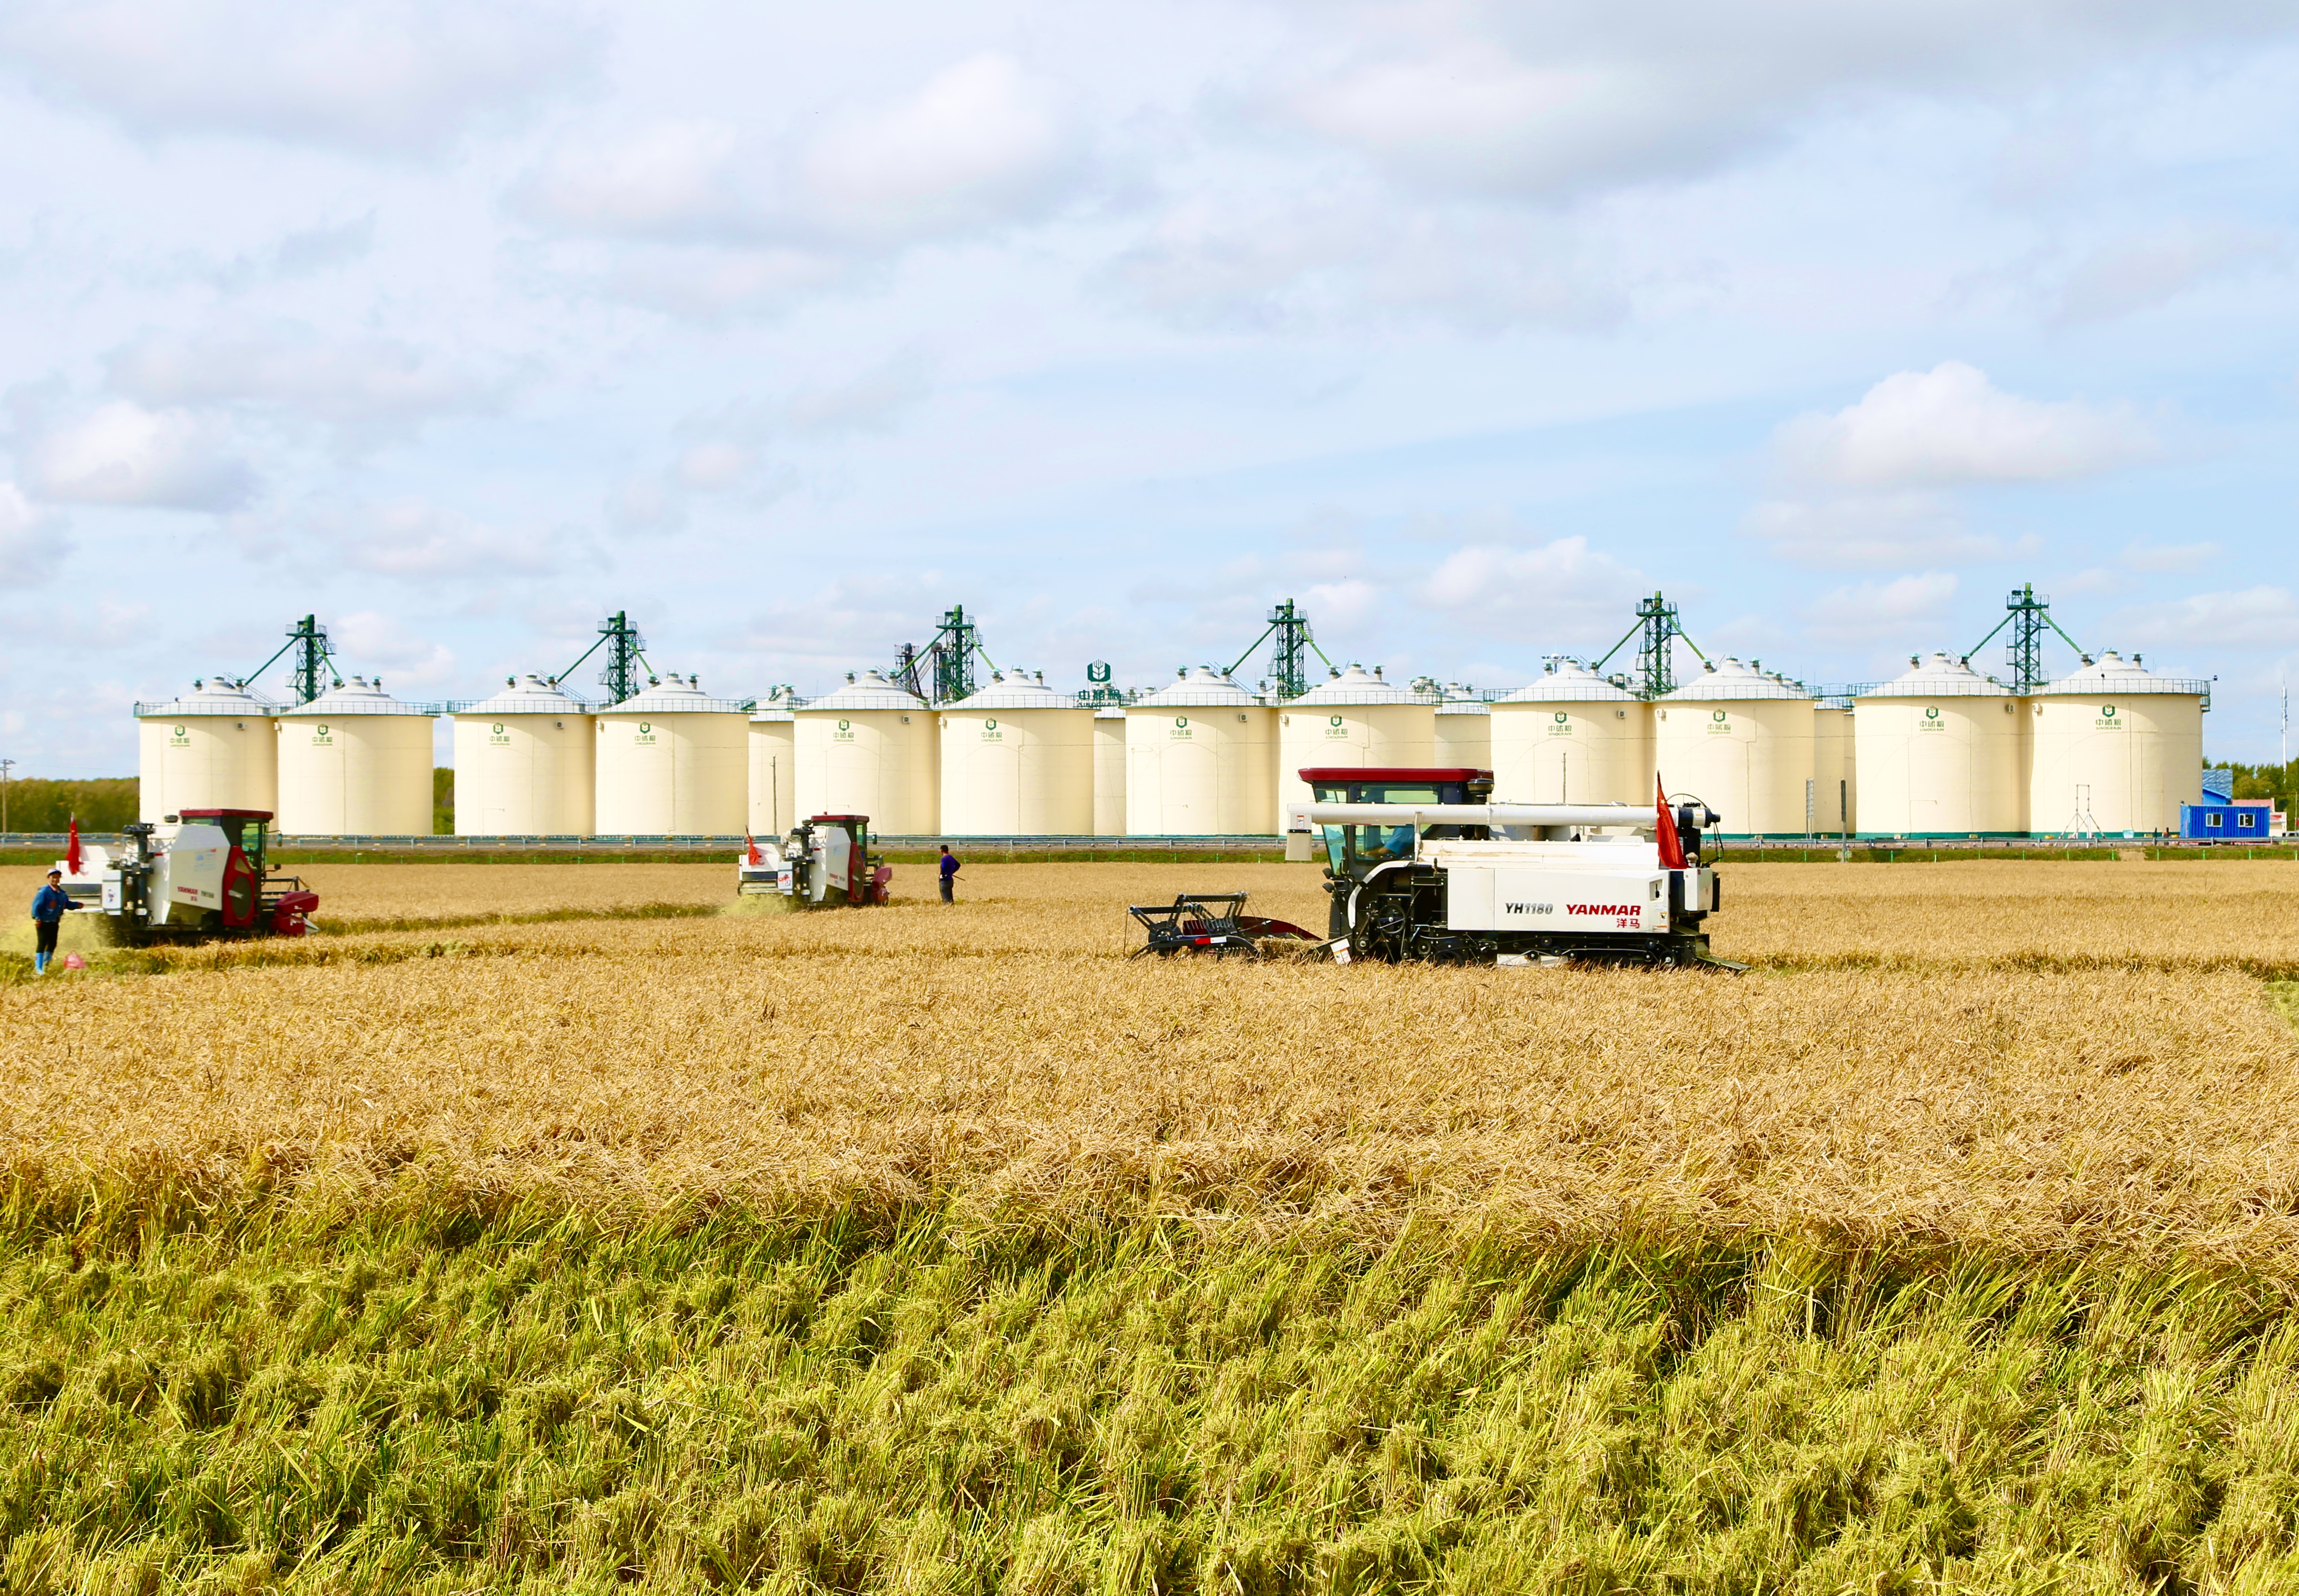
column 1672, row 846
column 750, row 843
column 72, row 850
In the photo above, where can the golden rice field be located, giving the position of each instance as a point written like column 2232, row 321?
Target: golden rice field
column 2040, row 1056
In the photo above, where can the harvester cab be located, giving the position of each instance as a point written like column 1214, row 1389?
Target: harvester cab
column 823, row 861
column 197, row 875
column 1420, row 865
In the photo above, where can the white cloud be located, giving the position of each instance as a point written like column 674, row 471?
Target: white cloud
column 122, row 453
column 2169, row 556
column 1349, row 605
column 1289, row 264
column 1554, row 591
column 366, row 640
column 714, row 282
column 678, row 181
column 388, row 77
column 1952, row 425
column 363, row 388
column 2253, row 617
column 1866, row 530
column 1876, row 612
column 1545, row 99
column 870, row 401
column 983, row 143
column 733, row 221
column 32, row 541
column 408, row 538
column 862, row 618
column 2140, row 271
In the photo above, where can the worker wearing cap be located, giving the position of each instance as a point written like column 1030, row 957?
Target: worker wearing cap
column 948, row 868
column 50, row 904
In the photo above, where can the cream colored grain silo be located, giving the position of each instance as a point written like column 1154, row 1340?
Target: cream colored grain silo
column 213, row 748
column 1109, row 770
column 1199, row 760
column 774, row 769
column 1940, row 751
column 1017, row 761
column 674, row 761
column 872, row 748
column 355, row 762
column 1572, row 737
column 1741, row 742
column 523, row 763
column 1465, row 729
column 2117, row 749
column 1835, row 771
column 1354, row 721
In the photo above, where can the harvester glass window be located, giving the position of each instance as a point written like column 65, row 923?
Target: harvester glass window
column 1350, row 848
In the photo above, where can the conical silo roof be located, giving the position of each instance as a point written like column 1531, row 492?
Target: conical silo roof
column 530, row 696
column 675, row 695
column 1355, row 685
column 868, row 692
column 1732, row 680
column 1571, row 683
column 358, row 696
column 219, row 696
column 1014, row 689
column 1938, row 677
column 2110, row 674
column 1202, row 688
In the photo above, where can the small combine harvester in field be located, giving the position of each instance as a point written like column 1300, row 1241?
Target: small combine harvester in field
column 190, row 878
column 1419, row 866
column 824, row 861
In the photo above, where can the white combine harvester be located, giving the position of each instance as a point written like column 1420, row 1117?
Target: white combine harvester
column 822, row 861
column 194, row 876
column 1417, row 869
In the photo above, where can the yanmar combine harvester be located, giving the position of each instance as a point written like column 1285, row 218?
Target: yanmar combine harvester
column 191, row 877
column 1420, row 865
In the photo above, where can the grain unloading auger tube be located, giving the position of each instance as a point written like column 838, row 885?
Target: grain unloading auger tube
column 1417, row 869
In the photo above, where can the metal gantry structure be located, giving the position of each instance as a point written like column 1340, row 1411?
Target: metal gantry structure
column 626, row 658
column 1291, row 644
column 312, row 671
column 943, row 672
column 2029, row 614
column 1656, row 632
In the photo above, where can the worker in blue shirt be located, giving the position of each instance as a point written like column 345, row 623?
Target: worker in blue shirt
column 948, row 868
column 50, row 904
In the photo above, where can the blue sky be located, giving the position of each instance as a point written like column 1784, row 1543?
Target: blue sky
column 1462, row 324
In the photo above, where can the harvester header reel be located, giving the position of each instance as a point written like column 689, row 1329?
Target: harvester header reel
column 1214, row 925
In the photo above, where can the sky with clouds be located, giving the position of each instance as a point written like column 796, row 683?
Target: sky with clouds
column 1463, row 322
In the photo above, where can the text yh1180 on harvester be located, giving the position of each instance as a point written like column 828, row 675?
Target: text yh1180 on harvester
column 1421, row 866
column 188, row 878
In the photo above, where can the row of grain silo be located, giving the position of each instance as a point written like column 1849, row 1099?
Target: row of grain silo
column 1940, row 751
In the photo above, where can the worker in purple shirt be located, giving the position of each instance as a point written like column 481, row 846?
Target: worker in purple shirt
column 50, row 904
column 948, row 868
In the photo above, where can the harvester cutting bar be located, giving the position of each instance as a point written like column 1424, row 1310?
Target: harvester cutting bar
column 1479, row 815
